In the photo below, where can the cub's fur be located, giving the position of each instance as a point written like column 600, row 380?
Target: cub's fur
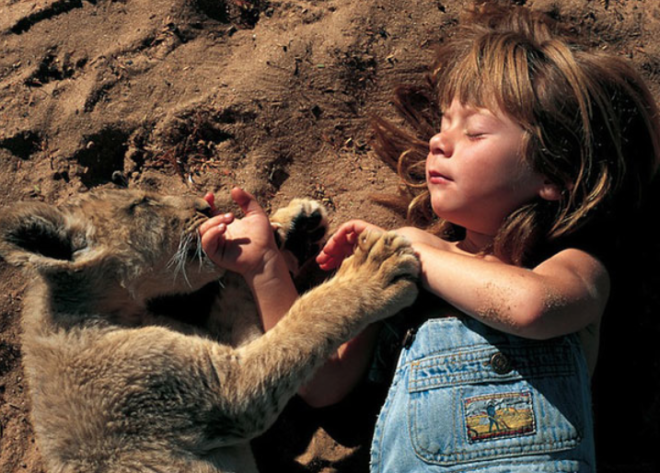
column 119, row 387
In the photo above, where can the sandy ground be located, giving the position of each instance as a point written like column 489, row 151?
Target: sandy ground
column 184, row 96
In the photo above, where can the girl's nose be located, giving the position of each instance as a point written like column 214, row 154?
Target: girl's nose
column 440, row 145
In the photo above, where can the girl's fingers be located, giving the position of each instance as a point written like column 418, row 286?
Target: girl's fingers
column 213, row 239
column 324, row 260
column 210, row 199
column 246, row 201
column 343, row 240
column 224, row 219
column 340, row 245
column 210, row 241
column 330, row 265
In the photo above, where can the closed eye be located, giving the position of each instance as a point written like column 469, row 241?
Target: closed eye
column 475, row 136
column 144, row 201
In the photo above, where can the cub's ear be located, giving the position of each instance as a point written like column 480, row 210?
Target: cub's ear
column 36, row 233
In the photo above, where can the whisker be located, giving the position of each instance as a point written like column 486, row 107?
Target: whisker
column 178, row 261
column 199, row 251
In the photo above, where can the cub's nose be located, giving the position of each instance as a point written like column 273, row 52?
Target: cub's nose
column 203, row 207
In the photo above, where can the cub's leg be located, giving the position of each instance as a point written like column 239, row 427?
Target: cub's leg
column 374, row 283
column 300, row 229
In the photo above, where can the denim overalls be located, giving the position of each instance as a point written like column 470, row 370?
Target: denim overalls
column 468, row 398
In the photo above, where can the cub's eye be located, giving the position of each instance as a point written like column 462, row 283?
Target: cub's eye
column 141, row 202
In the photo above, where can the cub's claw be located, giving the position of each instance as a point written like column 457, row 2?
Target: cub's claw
column 386, row 265
column 300, row 229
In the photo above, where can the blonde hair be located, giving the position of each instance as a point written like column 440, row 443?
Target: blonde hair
column 591, row 123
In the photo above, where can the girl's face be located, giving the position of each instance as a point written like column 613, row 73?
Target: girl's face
column 475, row 170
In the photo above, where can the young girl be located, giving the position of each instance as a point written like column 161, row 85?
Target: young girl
column 543, row 150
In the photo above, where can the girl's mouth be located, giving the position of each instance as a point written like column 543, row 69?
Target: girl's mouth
column 438, row 178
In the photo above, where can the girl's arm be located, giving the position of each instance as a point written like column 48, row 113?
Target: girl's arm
column 562, row 295
column 273, row 290
column 247, row 246
column 343, row 371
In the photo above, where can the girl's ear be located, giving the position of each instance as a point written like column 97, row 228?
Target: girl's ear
column 550, row 191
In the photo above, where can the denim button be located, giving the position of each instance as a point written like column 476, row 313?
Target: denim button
column 500, row 363
column 409, row 338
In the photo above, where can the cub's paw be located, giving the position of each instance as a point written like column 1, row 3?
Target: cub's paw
column 387, row 267
column 300, row 229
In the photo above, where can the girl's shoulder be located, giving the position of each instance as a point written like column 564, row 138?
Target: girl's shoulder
column 576, row 258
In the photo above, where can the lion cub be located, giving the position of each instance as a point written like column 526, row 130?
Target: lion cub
column 118, row 387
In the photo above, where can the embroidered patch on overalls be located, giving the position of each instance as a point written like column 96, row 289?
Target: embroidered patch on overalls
column 498, row 416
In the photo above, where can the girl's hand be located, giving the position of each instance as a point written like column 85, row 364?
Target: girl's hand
column 341, row 243
column 241, row 245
